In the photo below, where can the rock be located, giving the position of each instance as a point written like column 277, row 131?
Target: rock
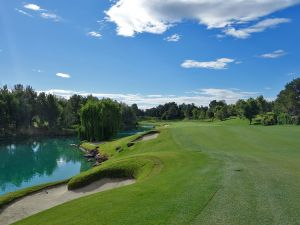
column 130, row 144
column 89, row 156
column 90, row 160
column 101, row 158
column 93, row 152
column 96, row 164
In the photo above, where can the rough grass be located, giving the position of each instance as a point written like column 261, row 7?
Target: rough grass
column 209, row 173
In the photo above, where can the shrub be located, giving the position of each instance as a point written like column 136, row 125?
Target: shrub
column 284, row 118
column 258, row 120
column 296, row 120
column 269, row 119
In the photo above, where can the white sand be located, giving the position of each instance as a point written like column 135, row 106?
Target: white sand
column 147, row 137
column 51, row 197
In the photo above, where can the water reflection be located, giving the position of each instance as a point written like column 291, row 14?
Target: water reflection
column 31, row 162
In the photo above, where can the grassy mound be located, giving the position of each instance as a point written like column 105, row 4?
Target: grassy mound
column 134, row 167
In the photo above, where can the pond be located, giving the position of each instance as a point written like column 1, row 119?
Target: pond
column 139, row 129
column 26, row 163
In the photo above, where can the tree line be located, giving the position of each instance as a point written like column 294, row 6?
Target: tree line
column 285, row 109
column 23, row 110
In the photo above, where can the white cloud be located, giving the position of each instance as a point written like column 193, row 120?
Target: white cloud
column 156, row 16
column 50, row 16
column 32, row 7
column 274, row 54
column 23, row 12
column 44, row 13
column 258, row 27
column 199, row 97
column 173, row 38
column 94, row 34
column 219, row 64
column 63, row 75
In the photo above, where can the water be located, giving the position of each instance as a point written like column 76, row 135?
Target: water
column 140, row 129
column 31, row 162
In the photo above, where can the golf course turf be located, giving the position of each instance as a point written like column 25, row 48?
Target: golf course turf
column 225, row 173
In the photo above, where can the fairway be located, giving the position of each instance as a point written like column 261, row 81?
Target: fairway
column 225, row 173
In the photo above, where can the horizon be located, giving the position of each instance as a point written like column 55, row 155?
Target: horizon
column 152, row 57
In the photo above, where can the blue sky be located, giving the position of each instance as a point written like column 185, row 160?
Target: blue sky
column 151, row 52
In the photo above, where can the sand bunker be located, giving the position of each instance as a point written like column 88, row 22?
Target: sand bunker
column 51, row 197
column 147, row 137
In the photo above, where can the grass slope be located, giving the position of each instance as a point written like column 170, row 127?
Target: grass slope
column 205, row 173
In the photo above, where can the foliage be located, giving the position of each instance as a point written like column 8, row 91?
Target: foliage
column 284, row 118
column 269, row 119
column 128, row 117
column 251, row 109
column 24, row 111
column 288, row 100
column 100, row 120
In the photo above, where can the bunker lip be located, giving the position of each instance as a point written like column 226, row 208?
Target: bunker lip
column 148, row 136
column 53, row 196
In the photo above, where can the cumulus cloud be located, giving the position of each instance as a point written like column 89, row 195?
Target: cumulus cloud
column 32, row 7
column 258, row 27
column 173, row 38
column 94, row 34
column 219, row 64
column 63, row 75
column 274, row 54
column 199, row 97
column 156, row 16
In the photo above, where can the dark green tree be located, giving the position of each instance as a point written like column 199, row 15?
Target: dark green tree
column 251, row 109
column 288, row 100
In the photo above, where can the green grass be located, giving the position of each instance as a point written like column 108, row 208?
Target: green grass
column 206, row 173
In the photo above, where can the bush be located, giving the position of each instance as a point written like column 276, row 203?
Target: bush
column 257, row 120
column 284, row 118
column 296, row 120
column 269, row 119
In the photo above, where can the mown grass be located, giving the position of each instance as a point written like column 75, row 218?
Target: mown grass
column 204, row 173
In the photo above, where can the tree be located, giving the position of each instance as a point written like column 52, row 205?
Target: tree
column 136, row 110
column 251, row 109
column 76, row 102
column 221, row 113
column 240, row 107
column 53, row 110
column 288, row 100
column 210, row 114
column 263, row 105
column 129, row 119
column 100, row 120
